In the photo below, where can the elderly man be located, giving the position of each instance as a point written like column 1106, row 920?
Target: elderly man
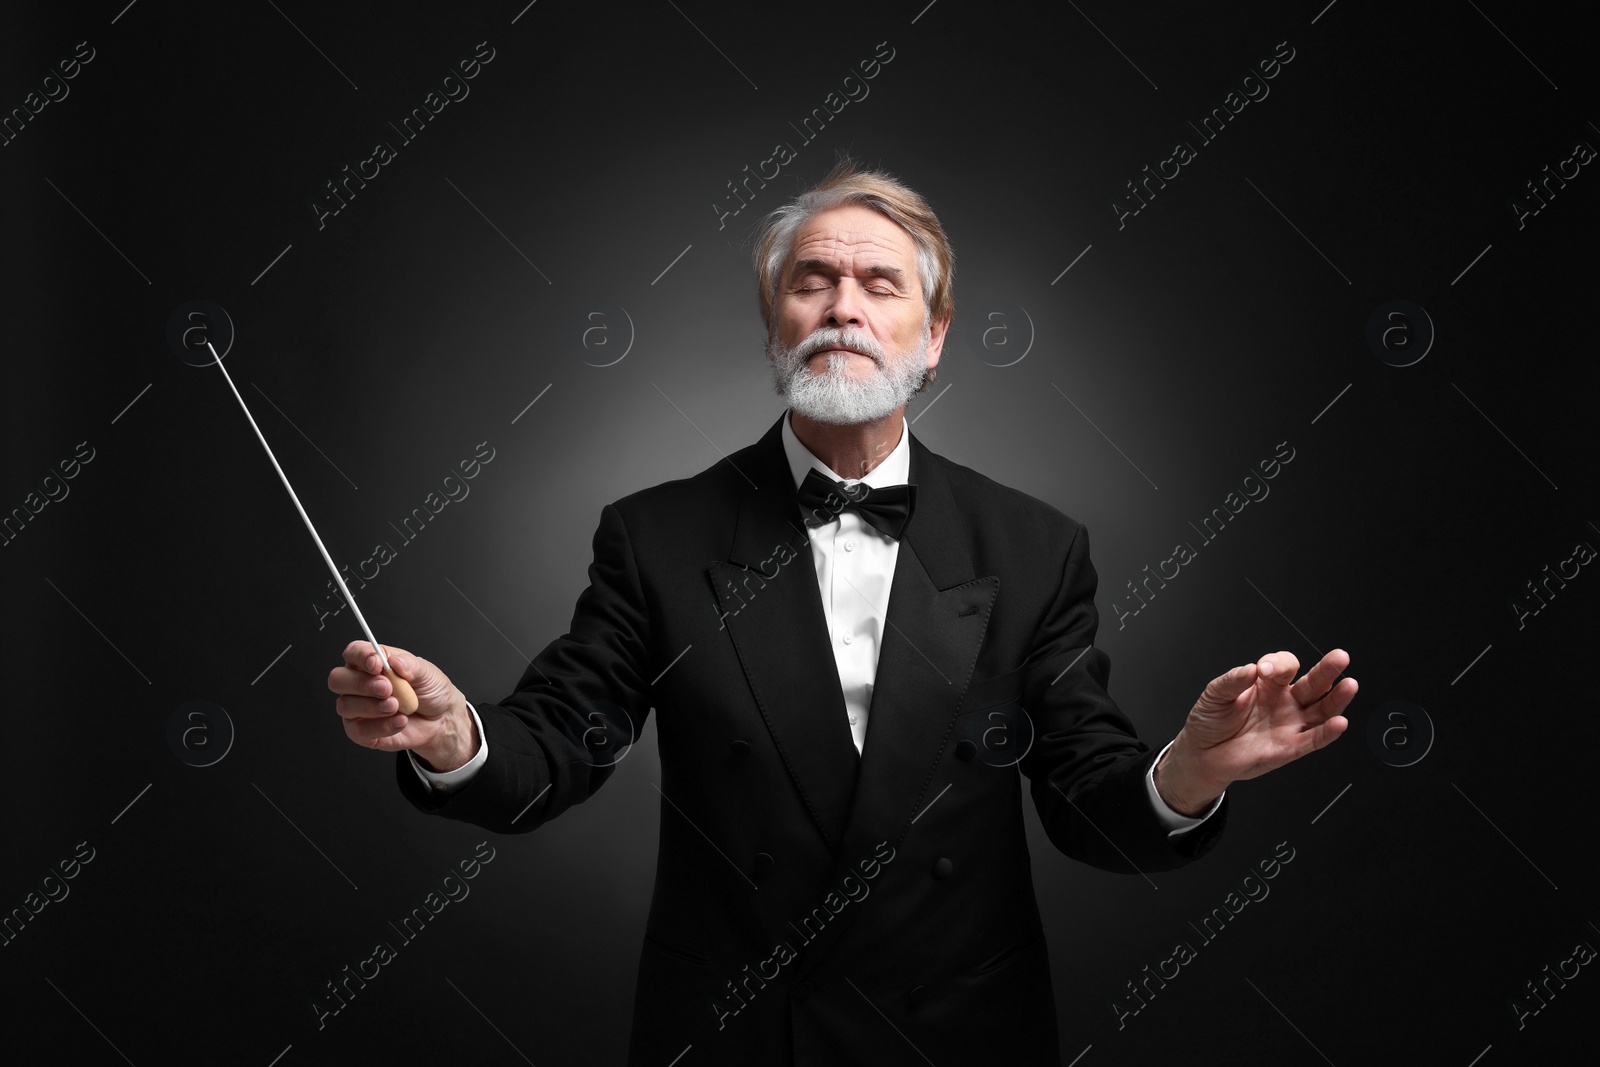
column 844, row 697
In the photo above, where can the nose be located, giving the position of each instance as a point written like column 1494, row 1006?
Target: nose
column 847, row 308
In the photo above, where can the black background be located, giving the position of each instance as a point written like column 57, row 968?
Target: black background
column 379, row 350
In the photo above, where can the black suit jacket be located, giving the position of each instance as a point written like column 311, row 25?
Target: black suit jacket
column 811, row 906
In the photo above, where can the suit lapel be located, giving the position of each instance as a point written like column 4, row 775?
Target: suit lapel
column 767, row 594
column 938, row 613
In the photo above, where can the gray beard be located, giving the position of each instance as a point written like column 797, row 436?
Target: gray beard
column 834, row 395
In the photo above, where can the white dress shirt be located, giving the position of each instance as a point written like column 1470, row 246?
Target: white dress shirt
column 854, row 565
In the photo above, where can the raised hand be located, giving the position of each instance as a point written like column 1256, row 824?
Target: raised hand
column 440, row 731
column 1251, row 720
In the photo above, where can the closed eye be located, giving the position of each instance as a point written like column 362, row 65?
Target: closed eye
column 874, row 290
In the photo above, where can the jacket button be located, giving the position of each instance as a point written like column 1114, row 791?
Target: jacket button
column 943, row 868
column 740, row 747
column 802, row 990
column 919, row 996
column 763, row 865
column 965, row 749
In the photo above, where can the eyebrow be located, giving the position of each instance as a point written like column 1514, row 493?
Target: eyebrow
column 893, row 274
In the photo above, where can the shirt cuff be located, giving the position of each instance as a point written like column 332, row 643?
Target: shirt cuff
column 449, row 781
column 1175, row 822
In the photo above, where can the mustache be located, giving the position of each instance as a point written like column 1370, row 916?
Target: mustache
column 836, row 337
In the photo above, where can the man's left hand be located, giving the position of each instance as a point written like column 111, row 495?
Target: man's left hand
column 1253, row 720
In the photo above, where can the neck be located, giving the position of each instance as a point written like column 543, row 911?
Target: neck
column 851, row 450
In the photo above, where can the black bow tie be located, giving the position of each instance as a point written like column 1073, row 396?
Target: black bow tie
column 886, row 507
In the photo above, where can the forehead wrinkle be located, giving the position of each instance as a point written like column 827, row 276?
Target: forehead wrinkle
column 844, row 245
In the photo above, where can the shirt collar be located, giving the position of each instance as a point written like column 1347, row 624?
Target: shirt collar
column 894, row 470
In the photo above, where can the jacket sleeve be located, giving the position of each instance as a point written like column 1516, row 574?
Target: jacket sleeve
column 580, row 704
column 1086, row 766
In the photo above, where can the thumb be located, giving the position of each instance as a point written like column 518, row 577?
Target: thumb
column 1221, row 691
column 405, row 664
column 426, row 680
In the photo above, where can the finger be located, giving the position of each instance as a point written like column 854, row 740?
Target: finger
column 1320, row 678
column 351, row 708
column 1305, row 742
column 348, row 680
column 359, row 655
column 1330, row 707
column 377, row 734
column 1278, row 667
column 1337, row 699
column 1221, row 690
column 1333, row 702
column 1321, row 736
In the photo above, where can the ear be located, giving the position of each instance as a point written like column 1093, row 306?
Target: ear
column 937, row 332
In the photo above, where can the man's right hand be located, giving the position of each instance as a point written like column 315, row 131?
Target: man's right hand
column 440, row 731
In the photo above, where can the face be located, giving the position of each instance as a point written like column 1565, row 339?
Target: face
column 851, row 337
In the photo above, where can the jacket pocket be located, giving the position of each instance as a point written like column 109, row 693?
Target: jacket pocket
column 1006, row 955
column 993, row 728
column 999, row 689
column 682, row 955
